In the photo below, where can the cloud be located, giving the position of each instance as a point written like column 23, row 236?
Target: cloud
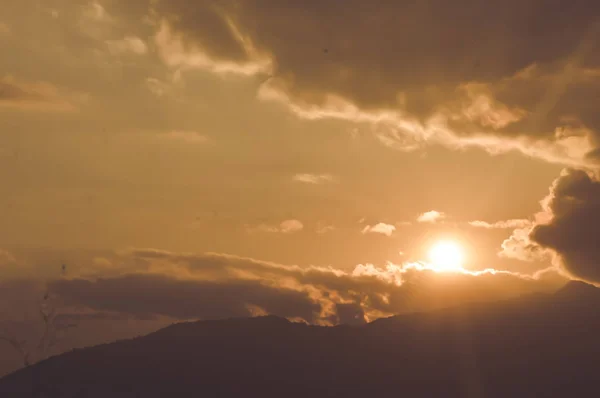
column 323, row 228
column 432, row 216
column 177, row 51
column 507, row 224
column 285, row 227
column 212, row 285
column 129, row 44
column 520, row 247
column 158, row 87
column 313, row 178
column 39, row 96
column 454, row 90
column 569, row 224
column 264, row 228
column 381, row 228
column 290, row 226
column 146, row 295
column 94, row 21
column 95, row 11
column 102, row 262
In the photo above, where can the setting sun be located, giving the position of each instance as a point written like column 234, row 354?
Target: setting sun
column 446, row 256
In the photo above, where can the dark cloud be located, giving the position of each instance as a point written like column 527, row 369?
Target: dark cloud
column 144, row 295
column 185, row 286
column 501, row 69
column 404, row 45
column 146, row 284
column 573, row 229
column 392, row 289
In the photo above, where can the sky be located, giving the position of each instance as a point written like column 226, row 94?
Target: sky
column 201, row 159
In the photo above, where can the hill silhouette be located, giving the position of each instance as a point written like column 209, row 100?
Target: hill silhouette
column 542, row 345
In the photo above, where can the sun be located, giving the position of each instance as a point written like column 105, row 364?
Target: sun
column 446, row 256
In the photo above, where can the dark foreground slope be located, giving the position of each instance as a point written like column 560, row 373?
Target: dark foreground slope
column 535, row 346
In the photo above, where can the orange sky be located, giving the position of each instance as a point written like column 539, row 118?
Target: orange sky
column 342, row 136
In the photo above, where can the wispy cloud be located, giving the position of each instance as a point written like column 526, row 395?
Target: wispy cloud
column 381, row 228
column 507, row 224
column 432, row 217
column 313, row 178
column 323, row 228
column 40, row 96
column 176, row 54
column 96, row 11
column 291, row 226
column 158, row 87
column 95, row 22
column 285, row 227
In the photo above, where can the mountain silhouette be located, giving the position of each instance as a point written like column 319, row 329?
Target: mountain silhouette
column 541, row 345
column 579, row 290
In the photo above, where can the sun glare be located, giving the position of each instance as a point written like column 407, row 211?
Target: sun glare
column 446, row 256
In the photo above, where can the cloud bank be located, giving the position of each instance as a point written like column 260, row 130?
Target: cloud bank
column 501, row 76
column 151, row 283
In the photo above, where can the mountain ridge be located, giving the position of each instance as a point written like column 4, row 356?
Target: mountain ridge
column 507, row 348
